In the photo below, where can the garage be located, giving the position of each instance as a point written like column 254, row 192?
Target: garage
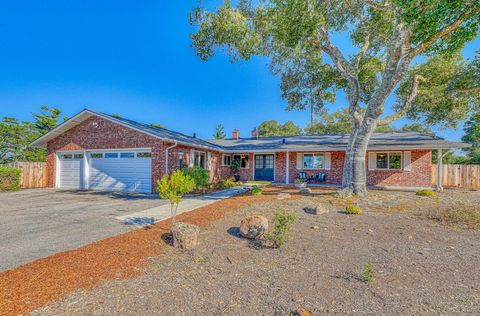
column 125, row 170
column 71, row 173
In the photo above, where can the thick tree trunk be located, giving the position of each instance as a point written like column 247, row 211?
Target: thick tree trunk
column 354, row 170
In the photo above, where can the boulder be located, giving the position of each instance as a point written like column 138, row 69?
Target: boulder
column 321, row 209
column 283, row 196
column 305, row 191
column 253, row 227
column 185, row 236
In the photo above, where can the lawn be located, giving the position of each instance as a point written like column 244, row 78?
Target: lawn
column 397, row 255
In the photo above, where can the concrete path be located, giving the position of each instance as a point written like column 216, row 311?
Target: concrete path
column 162, row 212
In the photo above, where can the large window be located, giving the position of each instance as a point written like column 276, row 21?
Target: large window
column 389, row 161
column 199, row 159
column 226, row 160
column 313, row 161
column 243, row 160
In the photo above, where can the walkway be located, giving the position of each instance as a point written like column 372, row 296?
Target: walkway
column 162, row 212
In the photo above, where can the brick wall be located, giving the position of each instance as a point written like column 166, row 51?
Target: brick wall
column 246, row 174
column 420, row 174
column 98, row 133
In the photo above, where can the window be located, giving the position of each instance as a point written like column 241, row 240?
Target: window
column 67, row 156
column 313, row 161
column 226, row 160
column 78, row 156
column 243, row 160
column 199, row 159
column 127, row 155
column 111, row 155
column 389, row 161
column 144, row 155
column 96, row 155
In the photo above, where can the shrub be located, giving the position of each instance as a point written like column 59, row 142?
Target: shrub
column 256, row 190
column 353, row 210
column 173, row 188
column 226, row 184
column 199, row 175
column 282, row 227
column 368, row 273
column 9, row 179
column 426, row 192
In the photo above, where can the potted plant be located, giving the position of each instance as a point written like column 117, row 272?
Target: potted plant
column 300, row 183
column 235, row 167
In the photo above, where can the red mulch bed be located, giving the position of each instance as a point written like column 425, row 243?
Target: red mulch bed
column 33, row 285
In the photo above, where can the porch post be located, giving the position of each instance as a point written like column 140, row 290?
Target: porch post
column 287, row 171
column 439, row 170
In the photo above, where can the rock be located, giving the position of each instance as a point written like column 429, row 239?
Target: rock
column 321, row 209
column 305, row 191
column 185, row 236
column 283, row 196
column 253, row 227
column 315, row 227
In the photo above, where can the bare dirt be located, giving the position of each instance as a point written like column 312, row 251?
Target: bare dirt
column 419, row 265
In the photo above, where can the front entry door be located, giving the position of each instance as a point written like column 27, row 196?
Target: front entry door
column 264, row 165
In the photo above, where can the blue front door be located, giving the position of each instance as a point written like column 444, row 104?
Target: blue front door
column 264, row 165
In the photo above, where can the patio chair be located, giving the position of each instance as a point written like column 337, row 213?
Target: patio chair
column 321, row 177
column 302, row 176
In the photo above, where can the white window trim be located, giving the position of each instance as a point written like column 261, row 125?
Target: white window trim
column 193, row 158
column 388, row 160
column 248, row 162
column 313, row 154
column 223, row 160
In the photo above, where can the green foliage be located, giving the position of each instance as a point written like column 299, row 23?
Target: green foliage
column 235, row 166
column 272, row 128
column 282, row 226
column 256, row 190
column 15, row 136
column 353, row 210
column 199, row 175
column 158, row 125
column 223, row 184
column 426, row 192
column 9, row 179
column 368, row 273
column 173, row 188
column 219, row 132
column 472, row 136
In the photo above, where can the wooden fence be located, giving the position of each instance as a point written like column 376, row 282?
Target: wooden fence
column 459, row 176
column 34, row 174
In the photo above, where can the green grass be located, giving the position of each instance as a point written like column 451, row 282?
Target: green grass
column 256, row 190
column 368, row 273
column 426, row 192
column 353, row 210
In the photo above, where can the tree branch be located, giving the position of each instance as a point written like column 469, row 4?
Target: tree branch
column 442, row 33
column 378, row 6
column 406, row 106
column 346, row 70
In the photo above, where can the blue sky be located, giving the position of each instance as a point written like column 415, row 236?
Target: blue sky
column 133, row 58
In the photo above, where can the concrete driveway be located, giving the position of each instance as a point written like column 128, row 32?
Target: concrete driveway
column 40, row 222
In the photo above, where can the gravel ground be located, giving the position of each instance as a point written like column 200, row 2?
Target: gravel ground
column 419, row 266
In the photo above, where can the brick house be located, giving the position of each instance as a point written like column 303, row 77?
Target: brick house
column 98, row 151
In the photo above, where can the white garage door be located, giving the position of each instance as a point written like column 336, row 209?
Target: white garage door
column 128, row 171
column 71, row 171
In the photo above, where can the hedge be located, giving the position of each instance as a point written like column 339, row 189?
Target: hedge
column 9, row 179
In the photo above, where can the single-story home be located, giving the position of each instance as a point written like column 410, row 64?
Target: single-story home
column 97, row 151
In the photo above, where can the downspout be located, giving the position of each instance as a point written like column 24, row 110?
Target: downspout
column 166, row 156
column 440, row 168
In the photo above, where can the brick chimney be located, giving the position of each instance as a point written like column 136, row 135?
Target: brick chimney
column 255, row 133
column 235, row 134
